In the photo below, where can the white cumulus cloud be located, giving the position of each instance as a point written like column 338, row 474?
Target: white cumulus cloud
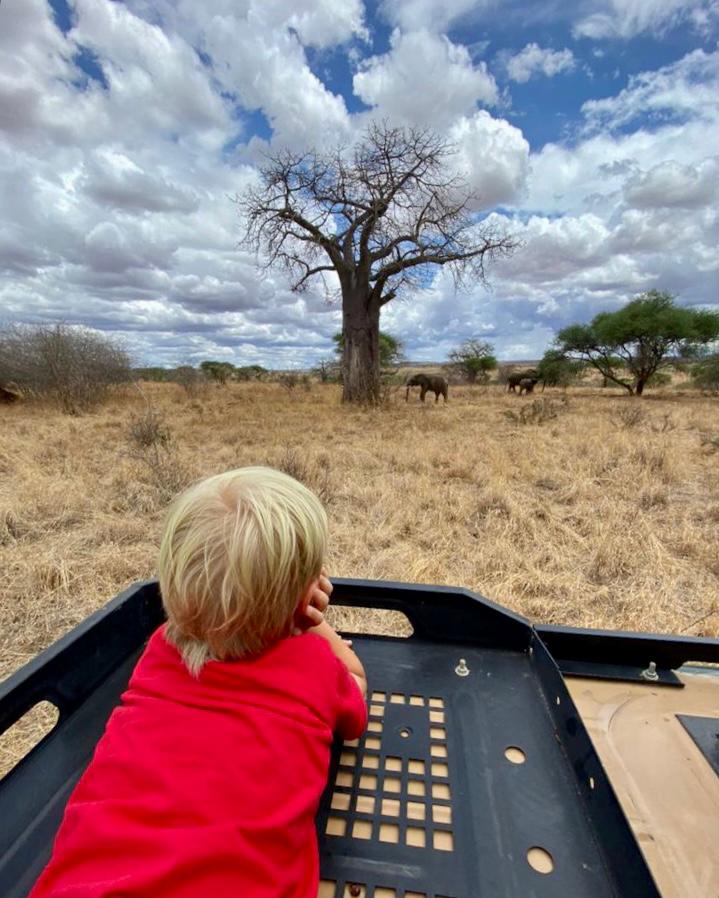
column 494, row 157
column 628, row 18
column 536, row 60
column 436, row 15
column 673, row 185
column 424, row 79
column 684, row 90
column 256, row 53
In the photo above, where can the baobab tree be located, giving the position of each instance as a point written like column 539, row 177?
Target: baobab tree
column 376, row 219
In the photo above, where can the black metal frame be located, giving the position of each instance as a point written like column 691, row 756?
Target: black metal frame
column 622, row 648
column 85, row 671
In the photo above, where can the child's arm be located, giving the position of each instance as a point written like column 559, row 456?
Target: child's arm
column 344, row 653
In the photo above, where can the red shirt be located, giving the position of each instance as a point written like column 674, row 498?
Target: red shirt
column 208, row 787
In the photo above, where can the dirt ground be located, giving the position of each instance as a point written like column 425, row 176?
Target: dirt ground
column 586, row 507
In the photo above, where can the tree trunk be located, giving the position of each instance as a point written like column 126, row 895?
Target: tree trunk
column 639, row 389
column 360, row 358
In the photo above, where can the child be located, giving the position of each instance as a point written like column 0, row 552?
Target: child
column 207, row 779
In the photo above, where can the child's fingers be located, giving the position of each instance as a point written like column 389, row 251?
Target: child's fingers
column 319, row 599
column 314, row 615
column 324, row 583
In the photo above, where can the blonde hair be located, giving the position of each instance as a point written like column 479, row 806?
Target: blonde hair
column 238, row 551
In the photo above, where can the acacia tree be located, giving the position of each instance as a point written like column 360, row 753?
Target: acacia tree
column 378, row 217
column 647, row 334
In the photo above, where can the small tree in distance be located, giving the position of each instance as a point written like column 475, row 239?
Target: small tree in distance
column 378, row 218
column 251, row 372
column 647, row 334
column 473, row 360
column 220, row 372
column 326, row 370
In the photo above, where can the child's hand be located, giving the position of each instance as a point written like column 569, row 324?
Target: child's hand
column 319, row 599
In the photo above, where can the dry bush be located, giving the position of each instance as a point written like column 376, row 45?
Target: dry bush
column 710, row 441
column 290, row 380
column 314, row 473
column 539, row 411
column 192, row 380
column 73, row 366
column 149, row 431
column 628, row 417
column 151, row 444
column 665, row 424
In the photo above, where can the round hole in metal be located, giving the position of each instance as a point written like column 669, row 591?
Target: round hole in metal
column 514, row 754
column 405, row 732
column 540, row 860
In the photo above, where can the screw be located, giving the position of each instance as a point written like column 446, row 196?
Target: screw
column 651, row 672
column 355, row 889
column 461, row 669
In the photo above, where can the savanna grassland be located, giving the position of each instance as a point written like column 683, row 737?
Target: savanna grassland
column 586, row 508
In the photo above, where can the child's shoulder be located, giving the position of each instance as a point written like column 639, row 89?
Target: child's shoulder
column 306, row 649
column 305, row 656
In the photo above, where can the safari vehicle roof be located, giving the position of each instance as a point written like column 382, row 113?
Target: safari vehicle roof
column 501, row 759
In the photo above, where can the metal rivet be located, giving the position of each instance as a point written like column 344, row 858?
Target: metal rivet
column 651, row 672
column 461, row 669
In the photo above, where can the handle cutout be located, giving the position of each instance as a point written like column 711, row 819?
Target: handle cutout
column 19, row 740
column 369, row 621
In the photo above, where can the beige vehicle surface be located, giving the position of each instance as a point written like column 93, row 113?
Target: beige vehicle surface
column 667, row 787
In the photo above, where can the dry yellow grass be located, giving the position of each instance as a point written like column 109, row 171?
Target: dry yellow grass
column 587, row 519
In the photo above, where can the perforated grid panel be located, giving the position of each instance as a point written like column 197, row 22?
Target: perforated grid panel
column 459, row 787
column 392, row 785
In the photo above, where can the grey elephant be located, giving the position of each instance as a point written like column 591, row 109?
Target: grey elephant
column 428, row 383
column 527, row 384
column 514, row 379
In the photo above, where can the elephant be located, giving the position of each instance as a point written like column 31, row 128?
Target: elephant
column 527, row 384
column 517, row 377
column 428, row 382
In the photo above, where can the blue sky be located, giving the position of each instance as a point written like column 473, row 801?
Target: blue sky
column 591, row 130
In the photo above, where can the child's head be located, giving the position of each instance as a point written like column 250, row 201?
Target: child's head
column 238, row 552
